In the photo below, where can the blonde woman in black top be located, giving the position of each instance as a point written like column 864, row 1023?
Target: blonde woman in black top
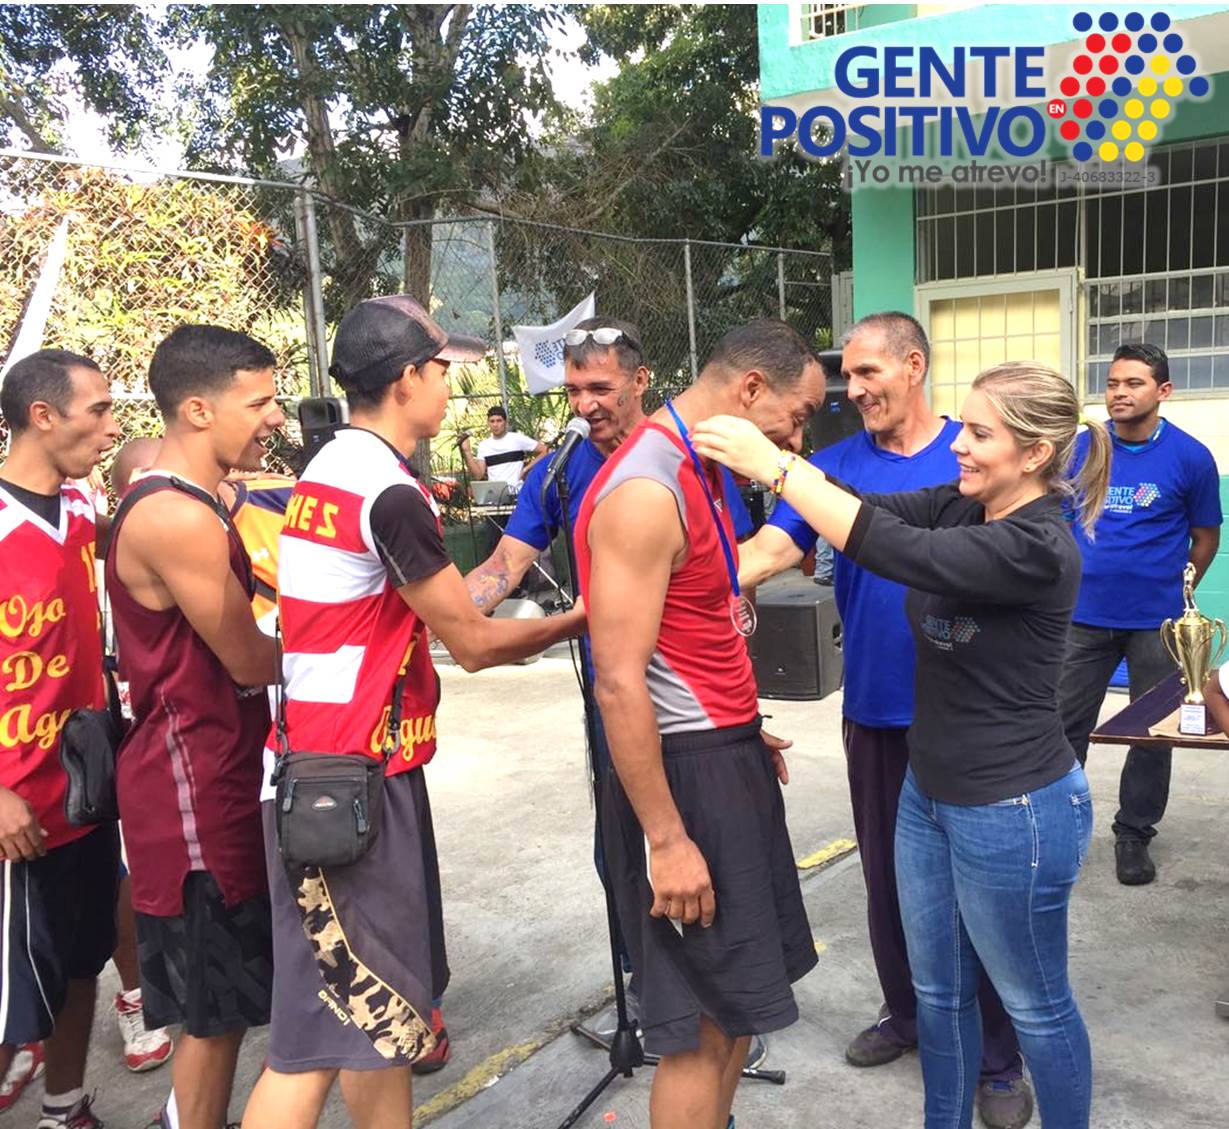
column 995, row 814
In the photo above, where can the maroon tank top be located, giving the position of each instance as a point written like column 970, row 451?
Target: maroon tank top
column 188, row 772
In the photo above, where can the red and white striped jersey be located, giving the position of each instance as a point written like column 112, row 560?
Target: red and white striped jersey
column 50, row 648
column 347, row 632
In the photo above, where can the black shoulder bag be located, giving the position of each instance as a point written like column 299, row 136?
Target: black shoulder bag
column 88, row 744
column 329, row 804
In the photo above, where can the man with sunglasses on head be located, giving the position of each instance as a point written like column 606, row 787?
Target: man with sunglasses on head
column 605, row 379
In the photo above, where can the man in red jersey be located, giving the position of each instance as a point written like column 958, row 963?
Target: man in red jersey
column 693, row 820
column 58, row 887
column 362, row 575
column 197, row 665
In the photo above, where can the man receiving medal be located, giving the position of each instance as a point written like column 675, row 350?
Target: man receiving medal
column 693, row 818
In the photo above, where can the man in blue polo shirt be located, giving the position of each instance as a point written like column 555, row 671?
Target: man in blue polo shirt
column 1163, row 510
column 903, row 446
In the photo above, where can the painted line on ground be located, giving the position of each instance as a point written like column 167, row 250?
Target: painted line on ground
column 492, row 1068
column 828, row 854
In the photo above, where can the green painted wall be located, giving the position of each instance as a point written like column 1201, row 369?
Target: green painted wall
column 883, row 259
column 1213, row 593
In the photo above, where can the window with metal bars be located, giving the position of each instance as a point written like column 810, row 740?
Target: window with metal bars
column 822, row 21
column 1155, row 261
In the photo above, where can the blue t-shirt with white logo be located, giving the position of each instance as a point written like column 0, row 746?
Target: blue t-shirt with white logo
column 536, row 522
column 878, row 645
column 1159, row 491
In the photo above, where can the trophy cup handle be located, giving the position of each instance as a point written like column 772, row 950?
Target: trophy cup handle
column 1168, row 638
column 1218, row 628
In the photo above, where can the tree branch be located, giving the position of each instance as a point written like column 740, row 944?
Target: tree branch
column 11, row 94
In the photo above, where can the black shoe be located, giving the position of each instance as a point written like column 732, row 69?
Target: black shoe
column 874, row 1047
column 1135, row 868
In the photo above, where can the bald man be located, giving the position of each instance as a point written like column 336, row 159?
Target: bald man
column 135, row 455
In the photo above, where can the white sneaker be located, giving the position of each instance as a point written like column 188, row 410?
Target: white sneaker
column 27, row 1065
column 143, row 1050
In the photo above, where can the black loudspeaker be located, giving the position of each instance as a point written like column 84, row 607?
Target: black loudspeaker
column 319, row 417
column 796, row 648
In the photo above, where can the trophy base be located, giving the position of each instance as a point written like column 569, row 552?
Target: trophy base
column 1193, row 720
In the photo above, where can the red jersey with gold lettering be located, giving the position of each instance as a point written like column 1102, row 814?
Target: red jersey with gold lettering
column 50, row 649
column 347, row 633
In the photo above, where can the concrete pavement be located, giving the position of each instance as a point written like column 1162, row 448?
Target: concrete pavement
column 527, row 940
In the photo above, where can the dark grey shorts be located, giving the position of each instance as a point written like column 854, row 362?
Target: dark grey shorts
column 737, row 972
column 359, row 950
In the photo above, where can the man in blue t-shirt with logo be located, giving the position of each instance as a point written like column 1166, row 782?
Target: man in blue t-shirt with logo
column 903, row 446
column 1163, row 509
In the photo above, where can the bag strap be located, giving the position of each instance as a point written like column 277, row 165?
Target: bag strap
column 392, row 739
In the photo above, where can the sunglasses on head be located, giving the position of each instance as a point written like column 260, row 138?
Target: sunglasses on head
column 603, row 335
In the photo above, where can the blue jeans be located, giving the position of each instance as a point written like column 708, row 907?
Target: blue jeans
column 987, row 886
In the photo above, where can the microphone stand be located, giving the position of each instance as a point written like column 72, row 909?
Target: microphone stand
column 626, row 1051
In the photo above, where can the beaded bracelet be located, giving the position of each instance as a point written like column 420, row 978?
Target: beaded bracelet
column 784, row 465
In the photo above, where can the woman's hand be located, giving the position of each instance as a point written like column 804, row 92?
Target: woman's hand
column 739, row 444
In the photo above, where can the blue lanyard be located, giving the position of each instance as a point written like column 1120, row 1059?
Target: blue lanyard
column 731, row 567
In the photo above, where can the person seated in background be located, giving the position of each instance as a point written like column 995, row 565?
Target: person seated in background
column 504, row 456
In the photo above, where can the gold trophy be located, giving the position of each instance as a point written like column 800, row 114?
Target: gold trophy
column 1190, row 641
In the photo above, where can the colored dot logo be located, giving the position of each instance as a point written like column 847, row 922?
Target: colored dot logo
column 963, row 629
column 1128, row 71
column 1146, row 493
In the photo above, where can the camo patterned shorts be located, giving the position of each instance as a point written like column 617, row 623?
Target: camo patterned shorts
column 359, row 950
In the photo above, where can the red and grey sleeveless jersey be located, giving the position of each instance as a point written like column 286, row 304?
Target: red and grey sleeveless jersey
column 347, row 632
column 50, row 648
column 700, row 674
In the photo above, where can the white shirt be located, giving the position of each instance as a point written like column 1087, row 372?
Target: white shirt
column 509, row 472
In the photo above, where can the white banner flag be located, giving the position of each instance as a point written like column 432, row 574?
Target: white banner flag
column 29, row 337
column 541, row 347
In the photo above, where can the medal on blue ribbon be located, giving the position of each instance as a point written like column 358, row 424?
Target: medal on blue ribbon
column 742, row 610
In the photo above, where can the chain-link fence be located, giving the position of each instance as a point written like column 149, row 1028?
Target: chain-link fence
column 147, row 251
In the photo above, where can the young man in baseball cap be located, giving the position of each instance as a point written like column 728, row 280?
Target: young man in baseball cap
column 362, row 575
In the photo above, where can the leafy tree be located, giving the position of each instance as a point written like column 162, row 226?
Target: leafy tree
column 401, row 108
column 669, row 151
column 119, row 68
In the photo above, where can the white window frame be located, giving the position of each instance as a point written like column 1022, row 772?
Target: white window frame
column 1065, row 281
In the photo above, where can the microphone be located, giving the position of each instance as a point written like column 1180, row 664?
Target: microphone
column 576, row 431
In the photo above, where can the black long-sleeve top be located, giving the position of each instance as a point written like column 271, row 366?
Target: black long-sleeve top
column 989, row 605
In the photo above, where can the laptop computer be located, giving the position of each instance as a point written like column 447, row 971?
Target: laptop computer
column 489, row 493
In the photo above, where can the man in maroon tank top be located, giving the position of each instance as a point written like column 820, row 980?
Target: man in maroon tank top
column 189, row 771
column 693, row 821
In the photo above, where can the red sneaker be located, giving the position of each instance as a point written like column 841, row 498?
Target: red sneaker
column 439, row 1057
column 27, row 1065
column 143, row 1050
